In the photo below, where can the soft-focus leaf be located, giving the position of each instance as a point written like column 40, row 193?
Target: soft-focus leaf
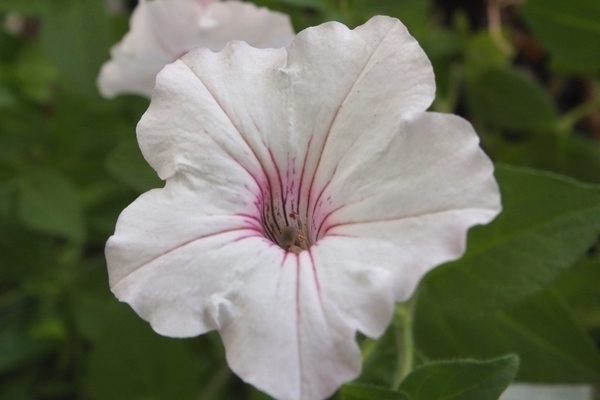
column 482, row 53
column 23, row 6
column 35, row 74
column 354, row 391
column 461, row 379
column 414, row 14
column 583, row 296
column 380, row 359
column 570, row 30
column 316, row 4
column 547, row 223
column 510, row 99
column 17, row 347
column 551, row 345
column 50, row 204
column 127, row 164
column 570, row 155
column 78, row 57
column 129, row 361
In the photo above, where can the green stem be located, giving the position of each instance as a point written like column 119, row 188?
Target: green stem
column 568, row 120
column 216, row 384
column 403, row 323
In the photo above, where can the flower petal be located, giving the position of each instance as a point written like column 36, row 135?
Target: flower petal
column 306, row 334
column 177, row 264
column 153, row 257
column 163, row 30
column 334, row 131
column 280, row 111
column 415, row 191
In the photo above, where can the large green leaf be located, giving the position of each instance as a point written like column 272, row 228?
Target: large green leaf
column 547, row 223
column 127, row 164
column 78, row 57
column 23, row 6
column 570, row 155
column 50, row 204
column 380, row 359
column 131, row 362
column 461, row 379
column 583, row 297
column 570, row 30
column 552, row 346
column 510, row 99
column 365, row 392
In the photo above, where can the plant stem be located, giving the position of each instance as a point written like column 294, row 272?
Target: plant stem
column 403, row 323
column 568, row 120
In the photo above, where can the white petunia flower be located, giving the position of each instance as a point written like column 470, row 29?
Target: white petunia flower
column 161, row 31
column 306, row 191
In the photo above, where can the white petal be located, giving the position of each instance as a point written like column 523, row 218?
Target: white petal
column 230, row 20
column 288, row 322
column 160, row 256
column 163, row 30
column 416, row 191
column 293, row 336
column 336, row 130
column 300, row 116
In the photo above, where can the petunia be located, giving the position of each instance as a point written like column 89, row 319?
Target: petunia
column 306, row 191
column 161, row 31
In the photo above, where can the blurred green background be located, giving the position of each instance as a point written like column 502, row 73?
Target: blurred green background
column 525, row 73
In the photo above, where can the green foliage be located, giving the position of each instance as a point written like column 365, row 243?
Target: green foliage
column 127, row 164
column 461, row 379
column 90, row 21
column 366, row 392
column 570, row 30
column 525, row 248
column 50, row 204
column 131, row 362
column 507, row 98
column 552, row 346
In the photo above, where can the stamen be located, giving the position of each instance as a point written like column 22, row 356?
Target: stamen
column 292, row 240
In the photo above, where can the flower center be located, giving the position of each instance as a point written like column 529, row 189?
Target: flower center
column 282, row 224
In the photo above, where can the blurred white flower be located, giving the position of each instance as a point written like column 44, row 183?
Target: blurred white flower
column 161, row 31
column 306, row 191
column 14, row 23
column 114, row 7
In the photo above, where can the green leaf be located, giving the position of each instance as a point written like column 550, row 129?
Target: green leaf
column 570, row 30
column 78, row 57
column 461, row 379
column 23, row 6
column 508, row 98
column 570, row 155
column 35, row 74
column 380, row 359
column 354, row 391
column 50, row 204
column 413, row 14
column 17, row 347
column 547, row 224
column 129, row 361
column 551, row 345
column 127, row 164
column 316, row 4
column 583, row 298
column 482, row 53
